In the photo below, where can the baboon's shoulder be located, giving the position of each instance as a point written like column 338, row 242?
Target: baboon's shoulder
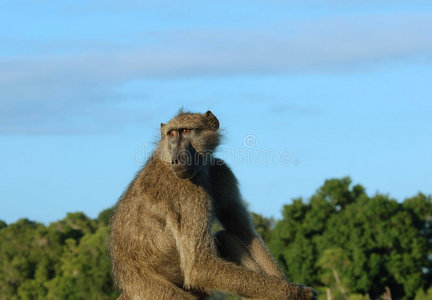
column 221, row 174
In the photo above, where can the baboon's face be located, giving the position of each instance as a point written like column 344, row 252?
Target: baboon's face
column 189, row 140
column 185, row 160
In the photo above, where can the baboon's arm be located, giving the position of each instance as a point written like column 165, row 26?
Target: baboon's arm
column 236, row 219
column 251, row 239
column 203, row 269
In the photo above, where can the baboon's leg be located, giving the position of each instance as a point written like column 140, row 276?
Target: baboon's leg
column 158, row 289
column 122, row 297
column 231, row 248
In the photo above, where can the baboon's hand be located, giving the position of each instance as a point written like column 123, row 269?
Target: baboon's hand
column 306, row 293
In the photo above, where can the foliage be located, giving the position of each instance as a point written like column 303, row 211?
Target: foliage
column 51, row 262
column 340, row 241
column 355, row 244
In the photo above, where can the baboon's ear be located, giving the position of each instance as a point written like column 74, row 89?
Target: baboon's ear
column 162, row 129
column 212, row 120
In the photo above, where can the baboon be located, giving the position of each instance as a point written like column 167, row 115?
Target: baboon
column 161, row 240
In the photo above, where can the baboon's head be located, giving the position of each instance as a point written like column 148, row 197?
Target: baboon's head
column 188, row 142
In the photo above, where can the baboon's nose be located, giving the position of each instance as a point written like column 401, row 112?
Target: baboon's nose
column 174, row 162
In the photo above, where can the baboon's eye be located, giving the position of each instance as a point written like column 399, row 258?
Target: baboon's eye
column 186, row 131
column 171, row 133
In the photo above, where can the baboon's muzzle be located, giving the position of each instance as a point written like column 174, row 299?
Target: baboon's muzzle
column 185, row 162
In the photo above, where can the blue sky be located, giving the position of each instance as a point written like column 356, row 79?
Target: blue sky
column 304, row 91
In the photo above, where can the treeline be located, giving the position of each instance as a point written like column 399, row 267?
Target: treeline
column 342, row 242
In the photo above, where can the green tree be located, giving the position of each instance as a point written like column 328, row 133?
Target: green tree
column 18, row 259
column 34, row 259
column 424, row 295
column 334, row 262
column 297, row 239
column 383, row 245
column 74, row 226
column 85, row 270
column 337, row 192
column 293, row 245
column 421, row 206
column 379, row 243
column 104, row 216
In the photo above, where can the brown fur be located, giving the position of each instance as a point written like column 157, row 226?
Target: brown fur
column 161, row 242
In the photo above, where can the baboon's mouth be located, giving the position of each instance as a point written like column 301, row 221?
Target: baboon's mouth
column 183, row 172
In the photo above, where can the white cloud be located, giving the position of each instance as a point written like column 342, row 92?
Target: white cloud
column 317, row 45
